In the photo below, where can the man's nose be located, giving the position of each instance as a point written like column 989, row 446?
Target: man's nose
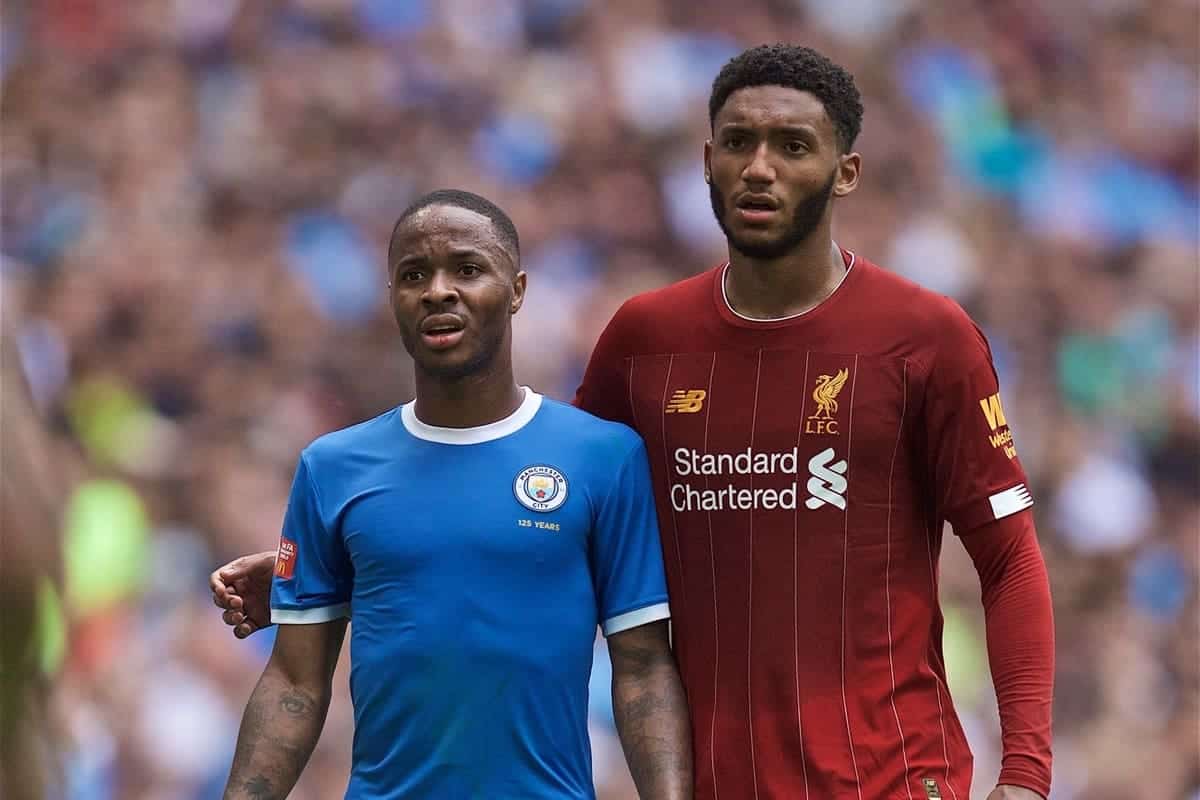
column 759, row 169
column 441, row 289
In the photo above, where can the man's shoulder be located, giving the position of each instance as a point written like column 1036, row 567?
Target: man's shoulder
column 684, row 296
column 343, row 443
column 904, row 295
column 930, row 330
column 587, row 431
column 910, row 306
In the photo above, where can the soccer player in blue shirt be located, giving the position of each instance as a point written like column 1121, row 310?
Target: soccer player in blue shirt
column 475, row 537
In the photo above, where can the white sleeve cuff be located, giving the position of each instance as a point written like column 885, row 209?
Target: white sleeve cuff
column 639, row 616
column 309, row 616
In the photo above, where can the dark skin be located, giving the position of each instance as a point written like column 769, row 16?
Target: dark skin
column 778, row 146
column 449, row 266
column 648, row 698
column 454, row 287
column 286, row 712
column 768, row 142
column 651, row 711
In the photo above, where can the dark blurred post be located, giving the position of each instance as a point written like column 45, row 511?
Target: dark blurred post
column 29, row 555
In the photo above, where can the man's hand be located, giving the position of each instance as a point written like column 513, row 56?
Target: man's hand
column 243, row 588
column 1007, row 792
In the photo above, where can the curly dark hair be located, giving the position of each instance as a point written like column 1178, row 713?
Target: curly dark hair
column 505, row 230
column 794, row 67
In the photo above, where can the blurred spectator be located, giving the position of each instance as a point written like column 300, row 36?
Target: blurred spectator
column 197, row 201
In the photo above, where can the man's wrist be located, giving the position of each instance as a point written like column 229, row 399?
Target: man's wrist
column 1025, row 778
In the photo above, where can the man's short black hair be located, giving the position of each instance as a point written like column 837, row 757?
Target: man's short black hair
column 458, row 198
column 794, row 67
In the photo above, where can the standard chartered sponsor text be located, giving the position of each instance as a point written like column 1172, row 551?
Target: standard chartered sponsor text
column 693, row 463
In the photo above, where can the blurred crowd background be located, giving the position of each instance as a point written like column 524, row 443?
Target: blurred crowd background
column 196, row 202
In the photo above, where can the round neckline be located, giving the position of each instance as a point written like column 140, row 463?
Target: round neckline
column 475, row 435
column 727, row 312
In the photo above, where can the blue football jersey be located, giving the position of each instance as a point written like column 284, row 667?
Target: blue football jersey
column 474, row 565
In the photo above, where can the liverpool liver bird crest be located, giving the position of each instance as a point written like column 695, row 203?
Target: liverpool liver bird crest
column 826, row 392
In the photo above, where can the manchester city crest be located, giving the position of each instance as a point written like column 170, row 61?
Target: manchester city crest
column 540, row 488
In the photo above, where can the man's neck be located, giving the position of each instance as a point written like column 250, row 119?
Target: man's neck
column 467, row 402
column 786, row 286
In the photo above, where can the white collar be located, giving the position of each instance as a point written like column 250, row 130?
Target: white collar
column 477, row 435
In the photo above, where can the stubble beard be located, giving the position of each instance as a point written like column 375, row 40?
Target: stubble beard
column 805, row 219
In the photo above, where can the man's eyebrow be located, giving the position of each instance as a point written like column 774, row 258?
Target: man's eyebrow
column 792, row 128
column 457, row 252
column 796, row 130
column 461, row 252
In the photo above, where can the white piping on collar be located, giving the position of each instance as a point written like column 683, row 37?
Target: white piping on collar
column 734, row 311
column 477, row 435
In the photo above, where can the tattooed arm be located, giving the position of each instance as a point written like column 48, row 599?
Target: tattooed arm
column 286, row 712
column 651, row 712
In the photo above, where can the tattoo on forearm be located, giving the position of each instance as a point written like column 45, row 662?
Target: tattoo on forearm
column 259, row 788
column 638, row 711
column 296, row 704
column 653, row 728
column 279, row 731
column 639, row 658
column 652, row 721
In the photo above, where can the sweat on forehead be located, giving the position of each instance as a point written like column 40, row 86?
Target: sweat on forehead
column 502, row 226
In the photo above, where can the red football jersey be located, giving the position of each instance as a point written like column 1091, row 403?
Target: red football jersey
column 803, row 468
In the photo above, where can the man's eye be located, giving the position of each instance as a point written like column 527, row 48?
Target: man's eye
column 411, row 275
column 796, row 147
column 469, row 270
column 734, row 142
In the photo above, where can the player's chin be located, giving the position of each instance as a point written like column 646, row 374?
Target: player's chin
column 451, row 364
column 759, row 244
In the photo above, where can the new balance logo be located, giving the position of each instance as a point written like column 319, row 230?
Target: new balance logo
column 686, row 402
column 828, row 481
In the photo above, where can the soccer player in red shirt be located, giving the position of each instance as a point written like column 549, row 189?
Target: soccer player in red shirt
column 812, row 421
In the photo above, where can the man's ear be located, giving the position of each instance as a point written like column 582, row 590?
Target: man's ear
column 849, row 169
column 519, row 283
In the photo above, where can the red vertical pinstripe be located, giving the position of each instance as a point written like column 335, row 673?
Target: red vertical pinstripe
column 845, row 556
column 674, row 522
column 933, row 673
column 750, row 605
column 887, row 582
column 796, row 582
column 712, row 750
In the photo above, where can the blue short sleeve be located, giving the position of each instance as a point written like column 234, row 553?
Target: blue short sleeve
column 313, row 574
column 631, row 587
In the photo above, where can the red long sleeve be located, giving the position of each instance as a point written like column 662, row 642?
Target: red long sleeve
column 1020, row 641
